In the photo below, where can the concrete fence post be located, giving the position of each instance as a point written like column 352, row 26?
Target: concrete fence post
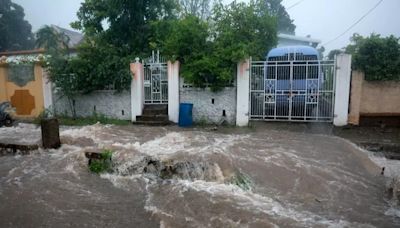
column 342, row 89
column 47, row 87
column 137, row 89
column 243, row 93
column 173, row 91
column 3, row 88
column 357, row 79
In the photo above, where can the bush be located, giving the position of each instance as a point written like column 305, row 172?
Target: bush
column 103, row 164
column 209, row 51
column 378, row 57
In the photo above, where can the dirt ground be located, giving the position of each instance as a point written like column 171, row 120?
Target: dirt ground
column 356, row 134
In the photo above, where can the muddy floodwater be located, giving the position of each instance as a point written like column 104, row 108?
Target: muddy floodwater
column 169, row 177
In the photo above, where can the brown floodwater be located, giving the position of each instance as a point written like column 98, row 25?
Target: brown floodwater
column 238, row 178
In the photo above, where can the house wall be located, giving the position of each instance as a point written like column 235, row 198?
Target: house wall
column 203, row 108
column 28, row 98
column 106, row 102
column 379, row 98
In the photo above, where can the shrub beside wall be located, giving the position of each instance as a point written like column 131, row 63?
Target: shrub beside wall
column 378, row 57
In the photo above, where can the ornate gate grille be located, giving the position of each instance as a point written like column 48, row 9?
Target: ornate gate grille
column 155, row 80
column 292, row 90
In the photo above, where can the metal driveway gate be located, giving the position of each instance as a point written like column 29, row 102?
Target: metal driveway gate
column 297, row 90
column 155, row 80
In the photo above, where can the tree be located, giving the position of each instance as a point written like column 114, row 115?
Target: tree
column 275, row 8
column 378, row 57
column 115, row 33
column 59, row 64
column 209, row 51
column 16, row 33
column 198, row 8
column 124, row 24
column 242, row 30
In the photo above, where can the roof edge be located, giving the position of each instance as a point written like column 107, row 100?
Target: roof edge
column 23, row 52
column 299, row 38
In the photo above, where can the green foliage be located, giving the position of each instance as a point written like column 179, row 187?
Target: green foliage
column 209, row 51
column 242, row 30
column 16, row 33
column 241, row 180
column 378, row 57
column 103, row 164
column 124, row 25
column 276, row 9
column 200, row 9
column 117, row 31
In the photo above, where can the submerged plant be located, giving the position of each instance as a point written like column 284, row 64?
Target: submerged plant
column 241, row 180
column 101, row 164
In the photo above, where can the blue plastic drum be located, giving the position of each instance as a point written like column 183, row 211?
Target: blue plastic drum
column 185, row 115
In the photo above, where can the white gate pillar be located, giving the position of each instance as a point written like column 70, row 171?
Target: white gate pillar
column 243, row 93
column 173, row 91
column 342, row 89
column 137, row 89
column 47, row 87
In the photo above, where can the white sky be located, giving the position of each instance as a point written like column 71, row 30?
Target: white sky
column 322, row 19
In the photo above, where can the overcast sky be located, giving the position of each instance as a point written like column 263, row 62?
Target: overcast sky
column 322, row 19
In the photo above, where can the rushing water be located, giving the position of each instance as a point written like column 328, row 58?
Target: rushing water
column 168, row 177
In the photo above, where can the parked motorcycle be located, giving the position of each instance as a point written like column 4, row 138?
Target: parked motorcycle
column 6, row 114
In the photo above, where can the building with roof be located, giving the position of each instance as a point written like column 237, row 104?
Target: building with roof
column 75, row 38
column 292, row 40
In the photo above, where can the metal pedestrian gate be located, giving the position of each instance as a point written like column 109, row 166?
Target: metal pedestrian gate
column 297, row 90
column 155, row 80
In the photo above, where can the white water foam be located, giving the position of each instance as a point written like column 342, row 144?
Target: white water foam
column 21, row 134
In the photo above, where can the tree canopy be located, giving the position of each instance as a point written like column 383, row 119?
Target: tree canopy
column 124, row 24
column 117, row 31
column 378, row 57
column 276, row 9
column 198, row 8
column 16, row 32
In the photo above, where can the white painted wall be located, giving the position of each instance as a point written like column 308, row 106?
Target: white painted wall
column 342, row 89
column 204, row 109
column 137, row 89
column 110, row 103
column 243, row 92
column 173, row 91
column 47, row 90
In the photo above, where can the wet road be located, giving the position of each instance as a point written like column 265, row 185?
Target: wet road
column 287, row 179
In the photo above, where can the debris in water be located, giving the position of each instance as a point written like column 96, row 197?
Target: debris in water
column 13, row 149
column 393, row 190
column 184, row 170
column 172, row 169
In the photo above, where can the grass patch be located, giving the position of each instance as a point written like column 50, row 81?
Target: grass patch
column 83, row 121
column 103, row 164
column 241, row 180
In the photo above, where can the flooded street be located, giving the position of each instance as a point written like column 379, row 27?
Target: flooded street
column 234, row 178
